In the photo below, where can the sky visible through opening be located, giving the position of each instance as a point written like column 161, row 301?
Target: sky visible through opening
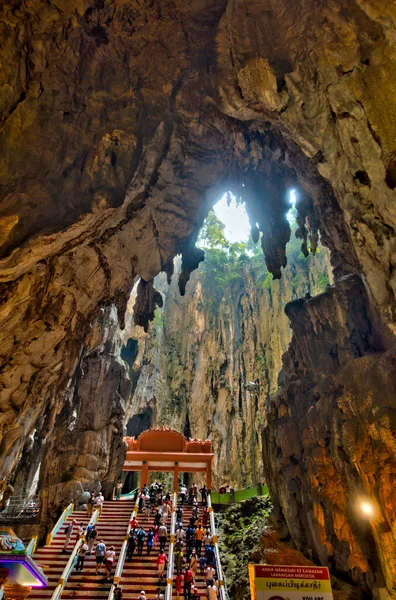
column 235, row 219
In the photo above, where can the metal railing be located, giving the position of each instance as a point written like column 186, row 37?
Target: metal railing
column 123, row 551
column 223, row 594
column 127, row 496
column 230, row 497
column 72, row 559
column 66, row 513
column 169, row 575
column 21, row 509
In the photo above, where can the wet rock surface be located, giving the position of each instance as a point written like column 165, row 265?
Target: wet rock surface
column 121, row 122
column 329, row 442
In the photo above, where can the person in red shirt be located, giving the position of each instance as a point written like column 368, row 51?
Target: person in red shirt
column 179, row 585
column 133, row 523
column 188, row 579
column 205, row 516
column 161, row 562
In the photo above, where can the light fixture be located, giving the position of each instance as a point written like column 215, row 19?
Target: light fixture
column 367, row 508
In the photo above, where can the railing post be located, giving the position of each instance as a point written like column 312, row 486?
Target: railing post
column 31, row 547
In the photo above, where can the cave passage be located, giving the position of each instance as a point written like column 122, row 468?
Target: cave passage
column 132, row 296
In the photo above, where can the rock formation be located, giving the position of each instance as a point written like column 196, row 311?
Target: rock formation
column 204, row 348
column 120, row 124
column 329, row 443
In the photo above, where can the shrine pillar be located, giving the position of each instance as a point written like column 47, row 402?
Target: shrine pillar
column 144, row 475
column 209, row 477
column 176, row 477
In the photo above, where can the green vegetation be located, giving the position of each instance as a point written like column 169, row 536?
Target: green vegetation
column 322, row 280
column 241, row 529
column 158, row 319
column 226, row 263
column 297, row 279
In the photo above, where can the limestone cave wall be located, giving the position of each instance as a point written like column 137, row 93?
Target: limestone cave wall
column 329, row 443
column 120, row 123
column 202, row 350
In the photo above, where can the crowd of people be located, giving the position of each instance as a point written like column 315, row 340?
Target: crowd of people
column 193, row 550
column 105, row 556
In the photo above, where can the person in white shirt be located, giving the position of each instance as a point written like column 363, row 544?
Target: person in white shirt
column 207, row 538
column 158, row 595
column 99, row 501
column 210, row 575
column 81, row 556
column 183, row 492
column 165, row 513
column 180, row 535
column 162, row 536
column 79, row 532
column 109, row 559
column 195, row 490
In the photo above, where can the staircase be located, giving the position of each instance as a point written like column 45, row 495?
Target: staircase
column 141, row 573
column 111, row 527
column 51, row 559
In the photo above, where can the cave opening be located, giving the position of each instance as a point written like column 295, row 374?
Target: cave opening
column 227, row 331
column 232, row 243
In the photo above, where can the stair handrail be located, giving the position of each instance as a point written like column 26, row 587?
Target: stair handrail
column 129, row 494
column 223, row 594
column 72, row 558
column 169, row 574
column 31, row 547
column 121, row 558
column 65, row 514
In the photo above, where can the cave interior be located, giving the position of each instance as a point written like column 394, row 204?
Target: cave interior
column 122, row 123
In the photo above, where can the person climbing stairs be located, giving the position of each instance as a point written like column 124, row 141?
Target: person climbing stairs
column 51, row 558
column 111, row 527
column 141, row 573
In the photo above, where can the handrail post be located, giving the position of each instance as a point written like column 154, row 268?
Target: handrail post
column 121, row 558
column 31, row 547
column 169, row 575
column 222, row 591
